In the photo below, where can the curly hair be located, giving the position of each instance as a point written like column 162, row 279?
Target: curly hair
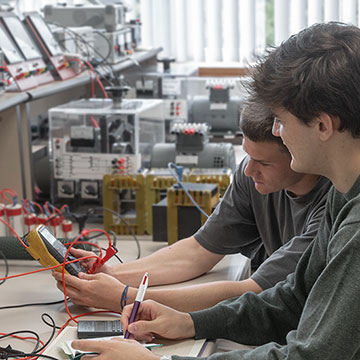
column 315, row 71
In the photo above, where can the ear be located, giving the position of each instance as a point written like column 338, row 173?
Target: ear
column 327, row 125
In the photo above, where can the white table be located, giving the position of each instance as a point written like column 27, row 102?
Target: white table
column 41, row 288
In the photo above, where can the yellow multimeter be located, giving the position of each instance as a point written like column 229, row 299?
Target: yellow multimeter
column 49, row 251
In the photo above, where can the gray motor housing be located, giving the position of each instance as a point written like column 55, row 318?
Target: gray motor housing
column 213, row 156
column 222, row 117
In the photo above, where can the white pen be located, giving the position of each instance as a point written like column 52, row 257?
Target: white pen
column 139, row 298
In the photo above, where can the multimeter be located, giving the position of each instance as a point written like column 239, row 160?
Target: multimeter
column 92, row 329
column 49, row 251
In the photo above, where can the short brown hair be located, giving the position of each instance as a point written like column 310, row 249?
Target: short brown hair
column 256, row 123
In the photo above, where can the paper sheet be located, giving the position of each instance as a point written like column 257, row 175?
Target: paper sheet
column 68, row 349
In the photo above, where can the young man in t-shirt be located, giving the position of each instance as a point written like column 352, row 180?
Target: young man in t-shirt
column 269, row 212
column 311, row 82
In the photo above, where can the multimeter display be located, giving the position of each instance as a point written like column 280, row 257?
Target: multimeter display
column 49, row 251
column 98, row 328
column 58, row 250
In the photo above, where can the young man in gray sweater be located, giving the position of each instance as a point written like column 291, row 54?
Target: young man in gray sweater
column 269, row 212
column 311, row 83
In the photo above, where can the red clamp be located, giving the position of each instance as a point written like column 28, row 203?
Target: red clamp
column 110, row 252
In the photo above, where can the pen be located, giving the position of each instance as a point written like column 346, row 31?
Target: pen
column 139, row 298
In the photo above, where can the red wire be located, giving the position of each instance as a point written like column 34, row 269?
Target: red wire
column 79, row 62
column 88, row 243
column 63, row 207
column 97, row 79
column 92, row 84
column 9, row 191
column 38, row 206
column 93, row 121
column 83, row 233
column 24, row 208
column 27, row 338
column 23, row 337
column 46, row 206
column 71, row 318
column 47, row 268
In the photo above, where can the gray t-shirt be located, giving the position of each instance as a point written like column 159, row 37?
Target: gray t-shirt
column 283, row 224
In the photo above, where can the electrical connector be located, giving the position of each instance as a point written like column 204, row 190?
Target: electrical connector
column 110, row 252
column 5, row 352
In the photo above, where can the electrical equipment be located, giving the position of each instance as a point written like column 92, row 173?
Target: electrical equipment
column 179, row 205
column 30, row 221
column 162, row 80
column 48, row 251
column 220, row 110
column 36, row 67
column 77, row 40
column 113, row 46
column 90, row 138
column 167, row 83
column 193, row 150
column 159, row 180
column 125, row 195
column 87, row 329
column 109, row 17
column 135, row 26
column 18, row 68
column 221, row 177
column 63, row 67
column 156, row 184
column 15, row 218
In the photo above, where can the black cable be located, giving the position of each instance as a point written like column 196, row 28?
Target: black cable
column 125, row 222
column 21, row 332
column 103, row 58
column 30, row 354
column 118, row 257
column 52, row 333
column 31, row 304
column 52, row 325
column 114, row 238
column 6, row 266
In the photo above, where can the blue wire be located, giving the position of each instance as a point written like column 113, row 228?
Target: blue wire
column 27, row 208
column 45, row 211
column 171, row 164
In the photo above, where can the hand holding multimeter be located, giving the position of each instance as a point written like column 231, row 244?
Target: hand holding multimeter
column 49, row 251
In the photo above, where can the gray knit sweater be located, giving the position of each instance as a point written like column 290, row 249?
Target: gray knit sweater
column 315, row 312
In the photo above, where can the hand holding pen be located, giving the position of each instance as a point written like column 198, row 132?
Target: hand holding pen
column 139, row 298
column 157, row 320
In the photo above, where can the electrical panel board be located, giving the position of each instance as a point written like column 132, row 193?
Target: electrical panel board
column 113, row 46
column 22, row 57
column 61, row 66
column 93, row 137
column 109, row 17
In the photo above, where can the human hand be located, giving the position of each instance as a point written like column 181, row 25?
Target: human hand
column 114, row 349
column 93, row 290
column 88, row 263
column 154, row 319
